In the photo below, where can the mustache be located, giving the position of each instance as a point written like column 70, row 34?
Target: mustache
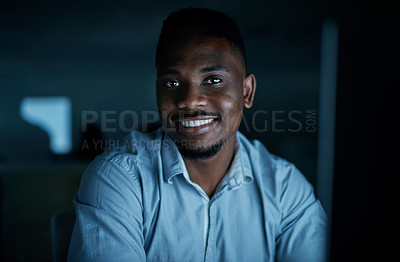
column 183, row 114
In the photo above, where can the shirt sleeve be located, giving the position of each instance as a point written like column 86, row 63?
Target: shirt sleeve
column 109, row 221
column 303, row 228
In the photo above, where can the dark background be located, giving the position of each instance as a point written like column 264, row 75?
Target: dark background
column 100, row 54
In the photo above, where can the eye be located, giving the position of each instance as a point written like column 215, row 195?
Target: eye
column 172, row 83
column 212, row 81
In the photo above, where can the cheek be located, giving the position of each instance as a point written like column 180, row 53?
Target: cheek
column 232, row 108
column 164, row 102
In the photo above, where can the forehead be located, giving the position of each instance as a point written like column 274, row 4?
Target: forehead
column 200, row 51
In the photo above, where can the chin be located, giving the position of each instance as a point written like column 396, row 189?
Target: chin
column 199, row 153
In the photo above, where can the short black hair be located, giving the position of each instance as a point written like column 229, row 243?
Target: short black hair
column 186, row 23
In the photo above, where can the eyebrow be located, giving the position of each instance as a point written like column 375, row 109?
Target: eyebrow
column 206, row 69
column 213, row 68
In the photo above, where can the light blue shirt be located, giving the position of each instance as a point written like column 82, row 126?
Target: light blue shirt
column 137, row 203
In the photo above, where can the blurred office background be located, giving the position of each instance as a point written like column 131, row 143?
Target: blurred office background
column 74, row 72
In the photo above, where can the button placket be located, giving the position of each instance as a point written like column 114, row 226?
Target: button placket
column 210, row 250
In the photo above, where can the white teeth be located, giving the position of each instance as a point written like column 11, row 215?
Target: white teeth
column 195, row 123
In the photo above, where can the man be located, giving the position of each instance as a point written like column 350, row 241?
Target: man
column 197, row 189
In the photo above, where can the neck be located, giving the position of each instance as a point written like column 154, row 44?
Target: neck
column 207, row 173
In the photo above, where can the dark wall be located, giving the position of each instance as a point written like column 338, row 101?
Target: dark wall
column 366, row 200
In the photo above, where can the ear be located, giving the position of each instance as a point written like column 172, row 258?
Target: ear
column 249, row 89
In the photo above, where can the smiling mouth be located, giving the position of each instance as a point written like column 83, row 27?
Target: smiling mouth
column 195, row 123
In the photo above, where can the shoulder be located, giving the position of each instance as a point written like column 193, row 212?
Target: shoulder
column 281, row 183
column 123, row 166
column 261, row 160
column 135, row 148
column 274, row 174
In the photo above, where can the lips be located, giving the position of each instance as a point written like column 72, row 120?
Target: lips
column 195, row 123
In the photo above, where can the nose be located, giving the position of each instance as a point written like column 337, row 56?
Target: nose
column 191, row 97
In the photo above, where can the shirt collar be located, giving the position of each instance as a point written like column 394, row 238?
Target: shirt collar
column 240, row 171
column 170, row 159
column 247, row 169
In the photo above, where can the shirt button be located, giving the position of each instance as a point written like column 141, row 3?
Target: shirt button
column 210, row 250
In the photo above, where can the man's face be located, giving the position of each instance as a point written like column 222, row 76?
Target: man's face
column 200, row 93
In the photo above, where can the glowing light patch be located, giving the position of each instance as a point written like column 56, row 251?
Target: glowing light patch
column 52, row 115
